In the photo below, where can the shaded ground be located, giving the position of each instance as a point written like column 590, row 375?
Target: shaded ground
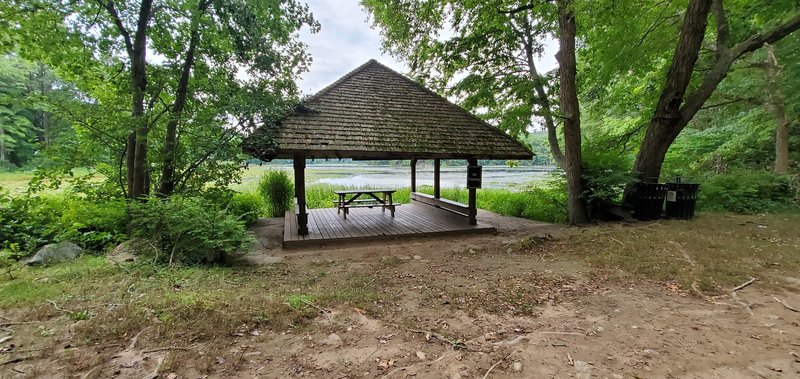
column 640, row 300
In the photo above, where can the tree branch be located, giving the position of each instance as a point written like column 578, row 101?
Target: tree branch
column 755, row 42
column 723, row 30
column 516, row 10
column 751, row 100
column 112, row 10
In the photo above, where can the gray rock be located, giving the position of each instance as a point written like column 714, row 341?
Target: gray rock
column 63, row 251
column 333, row 340
column 131, row 250
column 584, row 369
column 421, row 356
column 649, row 353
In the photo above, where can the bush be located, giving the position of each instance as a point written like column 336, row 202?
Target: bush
column 277, row 191
column 189, row 230
column 248, row 206
column 30, row 222
column 605, row 176
column 746, row 192
column 25, row 223
column 94, row 226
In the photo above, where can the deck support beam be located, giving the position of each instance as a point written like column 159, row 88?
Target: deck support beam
column 413, row 174
column 300, row 194
column 437, row 188
column 473, row 198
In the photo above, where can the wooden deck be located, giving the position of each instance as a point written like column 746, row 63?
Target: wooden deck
column 370, row 224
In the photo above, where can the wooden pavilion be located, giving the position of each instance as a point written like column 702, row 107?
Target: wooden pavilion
column 376, row 113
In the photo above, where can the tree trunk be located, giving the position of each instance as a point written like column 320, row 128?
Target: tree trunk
column 168, row 179
column 568, row 94
column 676, row 109
column 2, row 145
column 776, row 105
column 42, row 115
column 137, row 52
column 540, row 98
column 667, row 117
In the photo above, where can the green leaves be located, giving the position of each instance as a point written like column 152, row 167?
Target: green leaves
column 241, row 76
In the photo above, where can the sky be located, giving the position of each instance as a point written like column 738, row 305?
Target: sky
column 347, row 40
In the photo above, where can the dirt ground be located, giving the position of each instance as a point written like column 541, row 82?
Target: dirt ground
column 491, row 306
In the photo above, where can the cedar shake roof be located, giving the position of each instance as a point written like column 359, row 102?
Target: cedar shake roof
column 374, row 112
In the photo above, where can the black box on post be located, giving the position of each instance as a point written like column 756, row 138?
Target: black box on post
column 474, row 176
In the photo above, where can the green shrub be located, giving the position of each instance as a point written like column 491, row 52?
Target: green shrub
column 248, row 206
column 605, row 176
column 277, row 190
column 95, row 226
column 746, row 192
column 33, row 221
column 26, row 222
column 189, row 230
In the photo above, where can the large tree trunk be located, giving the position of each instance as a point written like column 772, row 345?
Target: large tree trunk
column 168, row 179
column 568, row 94
column 676, row 109
column 137, row 52
column 540, row 98
column 667, row 117
column 776, row 105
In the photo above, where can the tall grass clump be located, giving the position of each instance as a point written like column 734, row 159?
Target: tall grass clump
column 277, row 191
column 547, row 203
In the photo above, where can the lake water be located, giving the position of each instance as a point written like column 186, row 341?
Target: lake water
column 400, row 176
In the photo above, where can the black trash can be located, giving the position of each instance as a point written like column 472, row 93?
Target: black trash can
column 649, row 200
column 681, row 199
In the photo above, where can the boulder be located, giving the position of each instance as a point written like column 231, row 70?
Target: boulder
column 63, row 251
column 131, row 250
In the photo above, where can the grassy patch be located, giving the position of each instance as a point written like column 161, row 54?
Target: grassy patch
column 15, row 181
column 715, row 251
column 113, row 303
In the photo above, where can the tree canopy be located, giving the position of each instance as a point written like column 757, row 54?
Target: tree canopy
column 174, row 82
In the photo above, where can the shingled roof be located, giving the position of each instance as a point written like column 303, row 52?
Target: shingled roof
column 374, row 112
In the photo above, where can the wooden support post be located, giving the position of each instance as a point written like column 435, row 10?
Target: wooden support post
column 437, row 188
column 413, row 174
column 473, row 198
column 300, row 194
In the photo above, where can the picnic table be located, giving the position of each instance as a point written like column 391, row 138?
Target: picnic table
column 372, row 198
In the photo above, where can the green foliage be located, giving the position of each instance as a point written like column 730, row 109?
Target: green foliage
column 9, row 256
column 300, row 301
column 29, row 222
column 249, row 207
column 27, row 123
column 547, row 203
column 605, row 176
column 189, row 230
column 26, row 223
column 747, row 192
column 247, row 55
column 95, row 226
column 277, row 190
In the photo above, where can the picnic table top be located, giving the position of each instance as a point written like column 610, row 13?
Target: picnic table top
column 349, row 192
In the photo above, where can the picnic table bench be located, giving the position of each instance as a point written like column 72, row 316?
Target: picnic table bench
column 352, row 199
